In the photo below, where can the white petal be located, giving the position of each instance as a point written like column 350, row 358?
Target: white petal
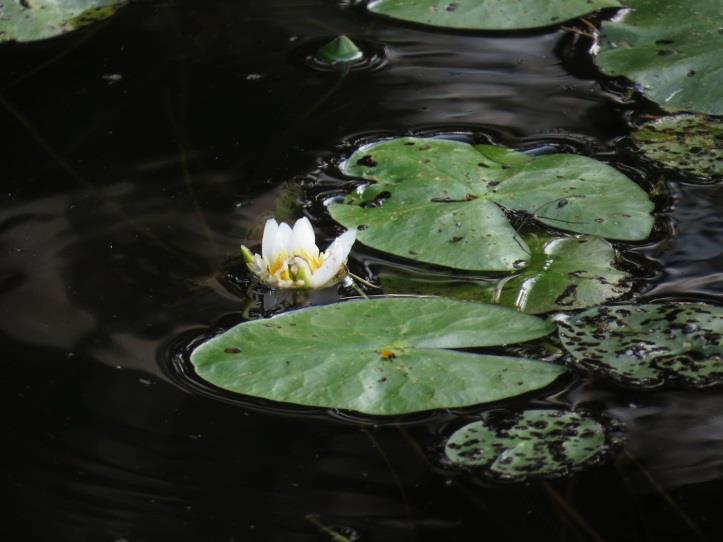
column 283, row 238
column 336, row 256
column 303, row 241
column 257, row 266
column 269, row 239
column 341, row 247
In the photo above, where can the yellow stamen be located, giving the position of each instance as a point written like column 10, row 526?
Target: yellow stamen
column 277, row 265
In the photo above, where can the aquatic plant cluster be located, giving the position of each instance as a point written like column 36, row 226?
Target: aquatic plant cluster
column 456, row 205
column 536, row 232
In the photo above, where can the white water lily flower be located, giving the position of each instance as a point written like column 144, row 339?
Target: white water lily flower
column 290, row 258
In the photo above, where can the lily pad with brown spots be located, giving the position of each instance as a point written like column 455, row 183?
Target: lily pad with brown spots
column 519, row 445
column 671, row 49
column 32, row 20
column 649, row 345
column 444, row 202
column 692, row 144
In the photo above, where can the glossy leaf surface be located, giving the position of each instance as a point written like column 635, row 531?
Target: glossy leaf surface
column 41, row 19
column 442, row 202
column 488, row 14
column 673, row 51
column 380, row 356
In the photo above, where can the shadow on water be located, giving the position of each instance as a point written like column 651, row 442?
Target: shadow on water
column 141, row 152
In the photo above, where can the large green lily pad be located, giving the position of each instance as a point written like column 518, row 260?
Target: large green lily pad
column 649, row 345
column 564, row 273
column 689, row 143
column 379, row 356
column 488, row 14
column 672, row 49
column 31, row 20
column 441, row 202
column 529, row 443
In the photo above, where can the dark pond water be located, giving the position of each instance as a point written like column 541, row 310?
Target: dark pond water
column 138, row 154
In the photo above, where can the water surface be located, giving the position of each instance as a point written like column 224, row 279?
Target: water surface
column 140, row 152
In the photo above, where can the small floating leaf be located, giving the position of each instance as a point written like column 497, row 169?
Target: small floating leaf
column 380, row 356
column 340, row 49
column 689, row 143
column 564, row 273
column 440, row 202
column 488, row 14
column 672, row 50
column 649, row 345
column 32, row 20
column 529, row 443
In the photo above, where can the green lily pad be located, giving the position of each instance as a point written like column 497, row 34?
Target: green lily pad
column 32, row 20
column 529, row 443
column 689, row 143
column 673, row 50
column 488, row 14
column 564, row 273
column 649, row 345
column 441, row 202
column 380, row 356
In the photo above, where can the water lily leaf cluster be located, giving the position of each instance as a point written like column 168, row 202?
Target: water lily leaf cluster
column 692, row 144
column 41, row 19
column 488, row 14
column 527, row 443
column 672, row 50
column 444, row 202
column 564, row 273
column 649, row 345
column 380, row 357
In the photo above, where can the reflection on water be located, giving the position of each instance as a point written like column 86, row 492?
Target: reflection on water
column 143, row 151
column 693, row 259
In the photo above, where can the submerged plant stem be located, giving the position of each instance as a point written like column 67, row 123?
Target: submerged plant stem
column 335, row 536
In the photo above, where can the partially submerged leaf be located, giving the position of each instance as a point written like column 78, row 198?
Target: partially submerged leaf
column 673, row 50
column 340, row 49
column 564, row 273
column 33, row 20
column 688, row 143
column 488, row 14
column 529, row 443
column 380, row 356
column 441, row 202
column 649, row 345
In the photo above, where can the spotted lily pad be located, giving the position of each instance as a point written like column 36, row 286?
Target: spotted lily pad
column 528, row 443
column 31, row 20
column 379, row 356
column 442, row 202
column 564, row 273
column 488, row 14
column 672, row 49
column 689, row 143
column 649, row 345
